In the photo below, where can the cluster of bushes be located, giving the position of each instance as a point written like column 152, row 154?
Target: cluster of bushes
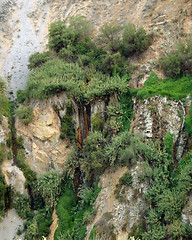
column 166, row 196
column 82, row 84
column 178, row 62
column 81, row 66
column 167, row 193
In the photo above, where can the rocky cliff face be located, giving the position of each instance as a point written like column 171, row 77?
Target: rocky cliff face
column 120, row 213
column 43, row 146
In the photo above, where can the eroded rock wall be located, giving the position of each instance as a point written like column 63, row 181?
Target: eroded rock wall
column 118, row 216
column 43, row 146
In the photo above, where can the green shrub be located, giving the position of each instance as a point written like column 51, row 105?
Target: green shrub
column 2, row 152
column 25, row 114
column 49, row 187
column 21, row 96
column 126, row 179
column 109, row 38
column 60, row 36
column 134, row 41
column 93, row 162
column 22, row 206
column 114, row 120
column 38, row 225
column 67, row 125
column 37, row 59
column 9, row 140
column 178, row 62
column 28, row 173
column 81, row 26
column 4, row 106
column 3, row 86
column 98, row 122
column 172, row 65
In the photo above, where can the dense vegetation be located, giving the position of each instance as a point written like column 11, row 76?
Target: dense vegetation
column 176, row 89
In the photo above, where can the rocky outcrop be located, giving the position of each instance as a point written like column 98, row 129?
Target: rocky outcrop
column 54, row 225
column 14, row 177
column 118, row 216
column 43, row 146
column 4, row 130
column 156, row 116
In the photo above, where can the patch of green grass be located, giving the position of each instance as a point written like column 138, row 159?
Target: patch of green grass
column 175, row 89
column 73, row 217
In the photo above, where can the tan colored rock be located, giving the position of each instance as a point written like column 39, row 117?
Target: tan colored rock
column 4, row 130
column 44, row 148
column 53, row 226
column 13, row 177
column 122, row 215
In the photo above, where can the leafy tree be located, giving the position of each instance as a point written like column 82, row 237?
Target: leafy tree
column 81, row 26
column 178, row 62
column 110, row 37
column 134, row 41
column 94, row 161
column 49, row 187
column 60, row 36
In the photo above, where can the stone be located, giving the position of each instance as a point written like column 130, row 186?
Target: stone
column 14, row 177
column 43, row 146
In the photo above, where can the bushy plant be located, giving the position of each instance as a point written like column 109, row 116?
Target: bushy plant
column 3, row 86
column 94, row 161
column 49, row 187
column 133, row 40
column 28, row 173
column 178, row 62
column 98, row 122
column 22, row 206
column 110, row 37
column 25, row 113
column 126, row 179
column 37, row 59
column 67, row 125
column 2, row 152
